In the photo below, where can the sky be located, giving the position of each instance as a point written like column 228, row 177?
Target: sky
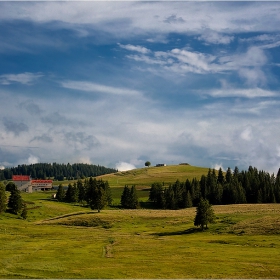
column 124, row 82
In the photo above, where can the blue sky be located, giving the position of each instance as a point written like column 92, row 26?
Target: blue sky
column 120, row 83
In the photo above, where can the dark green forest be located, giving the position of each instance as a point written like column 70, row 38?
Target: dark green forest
column 56, row 171
column 251, row 186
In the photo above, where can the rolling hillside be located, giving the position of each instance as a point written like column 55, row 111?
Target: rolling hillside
column 144, row 177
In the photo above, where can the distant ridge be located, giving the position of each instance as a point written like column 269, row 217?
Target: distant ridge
column 56, row 171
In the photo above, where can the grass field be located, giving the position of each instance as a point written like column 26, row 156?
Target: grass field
column 144, row 177
column 60, row 240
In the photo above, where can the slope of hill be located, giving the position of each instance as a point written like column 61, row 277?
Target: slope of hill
column 146, row 176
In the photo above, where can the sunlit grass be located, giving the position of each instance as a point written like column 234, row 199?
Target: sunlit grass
column 60, row 240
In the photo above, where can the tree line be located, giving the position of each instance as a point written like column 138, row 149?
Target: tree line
column 56, row 171
column 96, row 193
column 233, row 187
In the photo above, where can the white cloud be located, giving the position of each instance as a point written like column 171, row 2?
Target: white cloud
column 216, row 38
column 160, row 16
column 2, row 167
column 247, row 93
column 22, row 78
column 32, row 159
column 135, row 48
column 124, row 166
column 217, row 166
column 265, row 41
column 247, row 134
column 93, row 87
column 253, row 76
column 84, row 159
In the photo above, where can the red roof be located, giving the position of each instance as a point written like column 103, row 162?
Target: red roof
column 21, row 178
column 41, row 181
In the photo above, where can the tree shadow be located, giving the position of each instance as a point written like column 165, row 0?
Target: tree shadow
column 181, row 232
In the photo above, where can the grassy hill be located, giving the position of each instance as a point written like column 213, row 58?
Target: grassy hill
column 63, row 240
column 60, row 240
column 144, row 177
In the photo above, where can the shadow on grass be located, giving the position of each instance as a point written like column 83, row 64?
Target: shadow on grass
column 181, row 232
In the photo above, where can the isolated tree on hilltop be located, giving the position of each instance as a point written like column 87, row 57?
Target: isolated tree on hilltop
column 147, row 163
column 204, row 214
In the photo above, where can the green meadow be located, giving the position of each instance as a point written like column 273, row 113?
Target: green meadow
column 144, row 177
column 61, row 240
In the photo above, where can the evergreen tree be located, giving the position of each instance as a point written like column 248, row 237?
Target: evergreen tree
column 10, row 186
column 129, row 198
column 108, row 192
column 15, row 201
column 98, row 200
column 97, row 194
column 221, row 178
column 196, row 191
column 81, row 190
column 3, row 198
column 72, row 193
column 60, row 194
column 204, row 214
column 157, row 195
column 134, row 204
column 170, row 200
column 24, row 212
column 228, row 175
column 188, row 200
column 125, row 197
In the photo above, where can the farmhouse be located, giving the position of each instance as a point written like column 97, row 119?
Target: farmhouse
column 25, row 183
column 160, row 164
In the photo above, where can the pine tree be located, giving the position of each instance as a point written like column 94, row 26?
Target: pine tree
column 170, row 200
column 10, row 186
column 228, row 175
column 60, row 194
column 72, row 194
column 125, row 197
column 204, row 214
column 188, row 200
column 134, row 204
column 108, row 193
column 221, row 178
column 98, row 200
column 24, row 212
column 82, row 190
column 15, row 201
column 129, row 198
column 97, row 194
column 3, row 198
column 157, row 195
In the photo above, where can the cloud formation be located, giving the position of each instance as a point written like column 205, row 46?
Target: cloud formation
column 15, row 127
column 22, row 78
column 116, row 84
column 124, row 166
